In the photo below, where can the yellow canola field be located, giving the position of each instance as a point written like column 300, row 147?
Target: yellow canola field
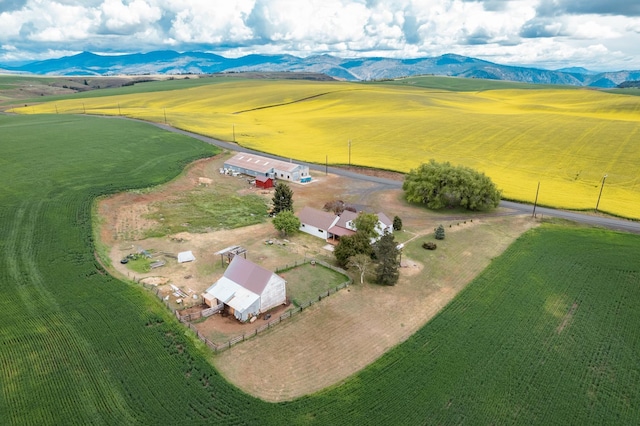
column 565, row 139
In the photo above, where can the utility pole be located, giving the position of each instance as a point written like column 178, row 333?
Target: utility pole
column 599, row 195
column 326, row 165
column 234, row 132
column 535, row 203
column 349, row 152
column 165, row 115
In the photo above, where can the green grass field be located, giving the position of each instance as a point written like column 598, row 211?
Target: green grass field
column 306, row 282
column 204, row 210
column 546, row 335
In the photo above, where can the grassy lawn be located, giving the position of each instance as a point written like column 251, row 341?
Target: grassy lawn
column 306, row 282
column 207, row 210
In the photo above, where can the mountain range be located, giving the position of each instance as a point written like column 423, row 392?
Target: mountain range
column 351, row 69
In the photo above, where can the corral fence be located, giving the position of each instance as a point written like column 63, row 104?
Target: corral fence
column 218, row 347
column 200, row 314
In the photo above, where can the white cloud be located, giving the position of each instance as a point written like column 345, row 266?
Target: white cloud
column 593, row 30
column 200, row 23
column 130, row 18
column 513, row 31
column 56, row 22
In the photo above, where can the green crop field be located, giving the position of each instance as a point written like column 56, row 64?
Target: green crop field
column 546, row 335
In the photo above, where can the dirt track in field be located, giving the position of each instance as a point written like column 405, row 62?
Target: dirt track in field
column 343, row 333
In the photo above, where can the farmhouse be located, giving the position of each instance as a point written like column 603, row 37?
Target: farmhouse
column 331, row 227
column 258, row 166
column 247, row 289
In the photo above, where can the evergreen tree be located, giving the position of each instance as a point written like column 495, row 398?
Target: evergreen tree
column 388, row 269
column 351, row 245
column 397, row 223
column 440, row 233
column 282, row 198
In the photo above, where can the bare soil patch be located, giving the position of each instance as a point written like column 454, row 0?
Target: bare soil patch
column 567, row 318
column 343, row 333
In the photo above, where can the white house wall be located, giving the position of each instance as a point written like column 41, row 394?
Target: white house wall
column 312, row 230
column 250, row 311
column 274, row 294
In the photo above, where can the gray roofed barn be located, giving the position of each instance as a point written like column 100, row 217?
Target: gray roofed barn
column 257, row 165
column 248, row 289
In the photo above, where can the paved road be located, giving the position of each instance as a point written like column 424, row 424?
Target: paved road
column 594, row 220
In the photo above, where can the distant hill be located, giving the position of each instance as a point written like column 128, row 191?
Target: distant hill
column 629, row 85
column 353, row 69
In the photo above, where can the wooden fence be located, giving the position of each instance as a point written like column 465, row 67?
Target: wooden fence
column 218, row 347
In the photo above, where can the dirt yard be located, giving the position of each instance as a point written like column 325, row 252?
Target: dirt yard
column 343, row 333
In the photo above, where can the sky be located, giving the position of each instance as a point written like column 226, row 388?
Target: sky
column 601, row 35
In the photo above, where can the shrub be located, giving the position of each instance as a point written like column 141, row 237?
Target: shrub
column 429, row 245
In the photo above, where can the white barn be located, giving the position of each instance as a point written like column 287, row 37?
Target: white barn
column 259, row 166
column 247, row 289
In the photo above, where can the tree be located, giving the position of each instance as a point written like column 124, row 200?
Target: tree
column 351, row 245
column 286, row 223
column 386, row 250
column 365, row 224
column 282, row 198
column 397, row 223
column 440, row 232
column 361, row 262
column 335, row 206
column 440, row 184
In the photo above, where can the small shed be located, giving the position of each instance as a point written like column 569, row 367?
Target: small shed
column 264, row 182
column 186, row 256
column 247, row 289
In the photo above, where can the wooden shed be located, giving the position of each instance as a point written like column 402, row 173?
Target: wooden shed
column 264, row 182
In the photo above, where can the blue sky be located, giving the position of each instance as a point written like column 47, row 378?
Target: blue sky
column 596, row 34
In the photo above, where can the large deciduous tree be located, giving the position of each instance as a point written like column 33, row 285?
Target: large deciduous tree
column 282, row 198
column 365, row 224
column 286, row 223
column 440, row 185
column 361, row 262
